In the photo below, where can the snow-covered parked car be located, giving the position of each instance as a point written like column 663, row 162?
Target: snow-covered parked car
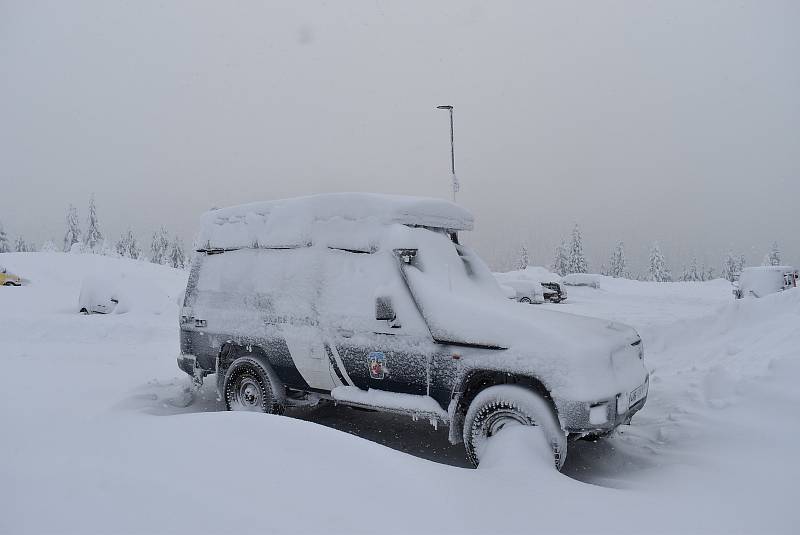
column 371, row 301
column 764, row 280
column 9, row 279
column 546, row 286
column 98, row 295
column 524, row 291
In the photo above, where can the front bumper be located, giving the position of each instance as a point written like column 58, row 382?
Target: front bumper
column 602, row 416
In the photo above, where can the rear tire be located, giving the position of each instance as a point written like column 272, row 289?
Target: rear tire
column 526, row 300
column 247, row 387
column 501, row 405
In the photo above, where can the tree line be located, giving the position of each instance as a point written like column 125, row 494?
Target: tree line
column 163, row 249
column 569, row 258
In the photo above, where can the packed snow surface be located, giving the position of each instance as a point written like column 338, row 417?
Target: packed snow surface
column 102, row 434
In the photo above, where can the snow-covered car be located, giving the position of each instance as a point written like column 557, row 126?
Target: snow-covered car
column 524, row 291
column 371, row 301
column 764, row 280
column 545, row 284
column 9, row 279
column 98, row 296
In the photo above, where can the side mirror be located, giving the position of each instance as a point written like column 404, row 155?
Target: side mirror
column 383, row 309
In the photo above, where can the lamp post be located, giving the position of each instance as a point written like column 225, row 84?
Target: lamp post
column 452, row 152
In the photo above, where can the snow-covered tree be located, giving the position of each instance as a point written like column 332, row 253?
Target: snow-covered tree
column 4, row 245
column 93, row 239
column 617, row 262
column 127, row 246
column 159, row 247
column 658, row 271
column 20, row 246
column 691, row 273
column 576, row 262
column 773, row 258
column 73, row 234
column 729, row 267
column 49, row 247
column 741, row 262
column 524, row 258
column 560, row 262
column 177, row 256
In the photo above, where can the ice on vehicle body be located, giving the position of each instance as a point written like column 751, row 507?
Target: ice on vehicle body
column 329, row 295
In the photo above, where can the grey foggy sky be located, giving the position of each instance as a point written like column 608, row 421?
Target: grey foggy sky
column 641, row 121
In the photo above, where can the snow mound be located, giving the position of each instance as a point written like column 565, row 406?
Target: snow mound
column 582, row 279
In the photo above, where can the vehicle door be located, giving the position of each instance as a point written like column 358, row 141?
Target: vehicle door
column 392, row 355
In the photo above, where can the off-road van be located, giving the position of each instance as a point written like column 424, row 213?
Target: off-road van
column 371, row 301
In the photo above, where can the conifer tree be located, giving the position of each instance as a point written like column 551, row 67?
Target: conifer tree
column 159, row 247
column 20, row 246
column 617, row 268
column 73, row 234
column 4, row 245
column 774, row 256
column 658, row 271
column 729, row 267
column 576, row 262
column 560, row 261
column 93, row 238
column 177, row 256
column 524, row 258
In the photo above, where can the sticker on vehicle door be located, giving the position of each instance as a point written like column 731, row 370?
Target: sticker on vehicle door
column 377, row 365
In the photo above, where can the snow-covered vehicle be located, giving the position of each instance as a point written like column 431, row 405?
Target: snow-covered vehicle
column 524, row 291
column 764, row 280
column 9, row 279
column 98, row 296
column 534, row 280
column 371, row 301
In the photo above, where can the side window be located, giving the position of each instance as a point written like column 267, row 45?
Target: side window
column 351, row 283
column 276, row 283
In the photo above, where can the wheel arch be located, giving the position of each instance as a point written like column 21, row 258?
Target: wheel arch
column 478, row 380
column 230, row 351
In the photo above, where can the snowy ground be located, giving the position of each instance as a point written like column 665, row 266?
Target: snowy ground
column 99, row 432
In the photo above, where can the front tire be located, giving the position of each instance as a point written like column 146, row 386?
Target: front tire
column 526, row 300
column 247, row 387
column 502, row 405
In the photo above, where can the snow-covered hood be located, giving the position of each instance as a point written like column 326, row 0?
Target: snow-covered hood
column 578, row 357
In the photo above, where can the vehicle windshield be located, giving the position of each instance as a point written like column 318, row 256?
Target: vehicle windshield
column 453, row 289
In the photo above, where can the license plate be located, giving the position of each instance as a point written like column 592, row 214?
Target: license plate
column 637, row 394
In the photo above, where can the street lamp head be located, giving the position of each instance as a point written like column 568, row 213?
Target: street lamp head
column 445, row 107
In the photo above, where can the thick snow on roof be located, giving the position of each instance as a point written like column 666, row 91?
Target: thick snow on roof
column 296, row 221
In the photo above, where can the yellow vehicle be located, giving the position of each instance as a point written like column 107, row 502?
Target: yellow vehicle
column 9, row 279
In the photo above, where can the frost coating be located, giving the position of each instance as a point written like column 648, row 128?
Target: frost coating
column 389, row 400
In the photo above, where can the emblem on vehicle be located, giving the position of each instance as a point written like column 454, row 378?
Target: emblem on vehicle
column 377, row 365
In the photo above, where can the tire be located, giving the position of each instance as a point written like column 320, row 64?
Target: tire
column 526, row 300
column 9, row 283
column 248, row 387
column 500, row 405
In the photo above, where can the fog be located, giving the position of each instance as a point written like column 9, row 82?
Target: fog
column 640, row 121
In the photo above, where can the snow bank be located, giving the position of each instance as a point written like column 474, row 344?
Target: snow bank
column 714, row 450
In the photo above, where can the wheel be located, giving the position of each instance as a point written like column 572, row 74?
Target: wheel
column 503, row 405
column 526, row 300
column 248, row 387
column 9, row 283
